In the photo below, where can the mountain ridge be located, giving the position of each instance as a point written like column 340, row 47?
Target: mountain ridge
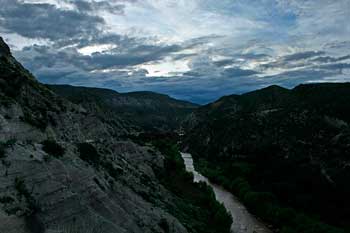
column 293, row 144
column 148, row 111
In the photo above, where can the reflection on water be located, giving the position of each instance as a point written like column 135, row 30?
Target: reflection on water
column 243, row 221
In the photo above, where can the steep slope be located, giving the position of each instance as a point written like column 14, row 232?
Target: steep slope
column 293, row 144
column 63, row 169
column 147, row 110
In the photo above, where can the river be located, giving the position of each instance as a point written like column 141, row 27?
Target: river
column 243, row 221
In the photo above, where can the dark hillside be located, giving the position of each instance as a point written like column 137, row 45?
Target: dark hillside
column 148, row 111
column 293, row 144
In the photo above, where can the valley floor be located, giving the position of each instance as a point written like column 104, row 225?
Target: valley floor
column 242, row 220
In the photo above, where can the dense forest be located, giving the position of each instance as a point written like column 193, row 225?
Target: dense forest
column 283, row 152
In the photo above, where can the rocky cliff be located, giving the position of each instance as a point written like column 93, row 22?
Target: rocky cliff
column 65, row 170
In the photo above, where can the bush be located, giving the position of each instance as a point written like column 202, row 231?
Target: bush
column 163, row 223
column 6, row 199
column 112, row 171
column 5, row 145
column 53, row 148
column 88, row 153
column 2, row 150
column 21, row 187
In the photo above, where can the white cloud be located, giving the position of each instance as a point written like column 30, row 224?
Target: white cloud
column 197, row 49
column 166, row 68
column 100, row 48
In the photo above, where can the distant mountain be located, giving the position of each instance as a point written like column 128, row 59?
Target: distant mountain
column 294, row 144
column 147, row 111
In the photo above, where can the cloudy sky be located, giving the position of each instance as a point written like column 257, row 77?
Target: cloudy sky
column 196, row 50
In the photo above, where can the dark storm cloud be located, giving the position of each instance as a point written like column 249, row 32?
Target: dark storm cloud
column 302, row 56
column 309, row 58
column 336, row 67
column 242, row 57
column 237, row 72
column 327, row 59
column 85, row 6
column 311, row 74
column 46, row 21
column 225, row 62
column 253, row 56
column 78, row 27
column 134, row 55
column 92, row 39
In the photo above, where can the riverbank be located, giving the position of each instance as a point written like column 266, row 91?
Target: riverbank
column 243, row 221
column 193, row 204
column 265, row 205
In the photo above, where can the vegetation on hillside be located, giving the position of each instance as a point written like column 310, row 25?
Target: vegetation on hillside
column 283, row 152
column 195, row 203
column 53, row 148
column 265, row 204
column 88, row 153
column 145, row 111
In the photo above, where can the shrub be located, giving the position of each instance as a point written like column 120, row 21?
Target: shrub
column 21, row 187
column 53, row 148
column 163, row 223
column 112, row 171
column 5, row 145
column 39, row 121
column 88, row 153
column 6, row 199
column 2, row 150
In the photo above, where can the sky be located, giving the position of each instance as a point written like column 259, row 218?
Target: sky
column 196, row 50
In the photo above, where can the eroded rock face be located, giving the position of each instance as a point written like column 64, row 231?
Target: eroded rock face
column 115, row 192
column 66, row 192
column 4, row 48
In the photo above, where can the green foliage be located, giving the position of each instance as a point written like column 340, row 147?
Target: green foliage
column 291, row 143
column 37, row 119
column 112, row 171
column 90, row 224
column 6, row 199
column 265, row 204
column 51, row 147
column 2, row 150
column 21, row 187
column 5, row 145
column 163, row 223
column 88, row 153
column 196, row 206
column 22, row 191
column 146, row 110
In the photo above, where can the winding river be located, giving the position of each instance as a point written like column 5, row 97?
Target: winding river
column 243, row 221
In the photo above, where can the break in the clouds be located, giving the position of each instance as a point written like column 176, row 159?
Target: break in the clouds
column 197, row 50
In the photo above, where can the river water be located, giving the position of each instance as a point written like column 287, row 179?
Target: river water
column 243, row 221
